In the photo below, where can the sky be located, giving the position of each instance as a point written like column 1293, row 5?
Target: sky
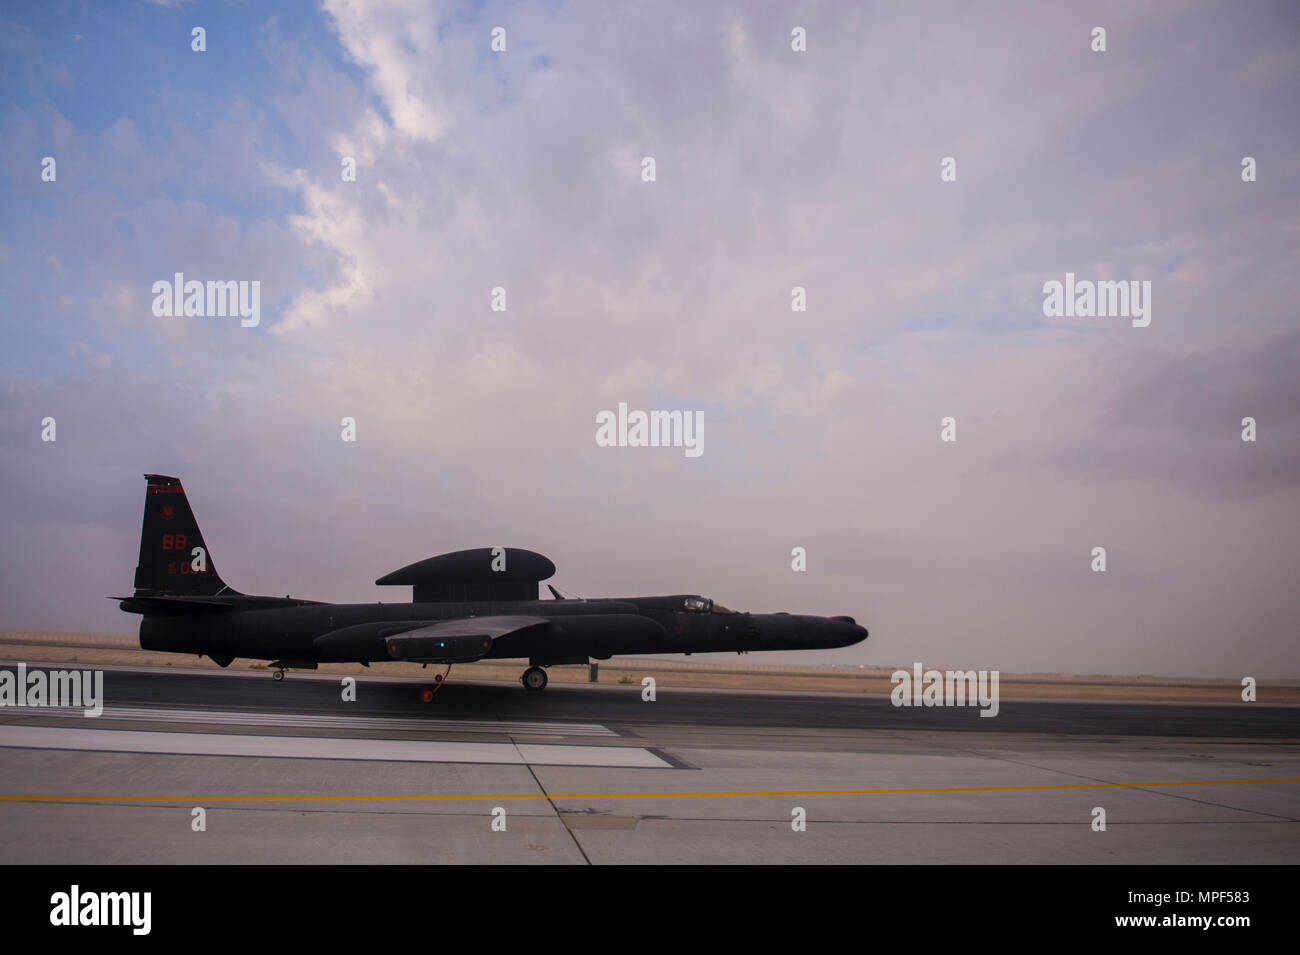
column 523, row 169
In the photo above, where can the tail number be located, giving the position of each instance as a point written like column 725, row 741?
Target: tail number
column 173, row 541
column 198, row 564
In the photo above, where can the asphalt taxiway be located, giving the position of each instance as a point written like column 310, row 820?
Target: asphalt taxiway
column 289, row 772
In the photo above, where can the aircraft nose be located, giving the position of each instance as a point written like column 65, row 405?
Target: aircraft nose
column 782, row 631
column 848, row 631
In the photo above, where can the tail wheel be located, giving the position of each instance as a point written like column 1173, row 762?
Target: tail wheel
column 426, row 696
column 534, row 678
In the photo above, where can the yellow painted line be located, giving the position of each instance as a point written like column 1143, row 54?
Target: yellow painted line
column 686, row 795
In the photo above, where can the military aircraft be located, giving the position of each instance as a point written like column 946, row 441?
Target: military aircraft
column 469, row 605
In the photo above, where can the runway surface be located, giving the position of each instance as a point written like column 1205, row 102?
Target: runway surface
column 289, row 772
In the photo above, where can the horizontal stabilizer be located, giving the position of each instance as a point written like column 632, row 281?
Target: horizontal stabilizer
column 174, row 605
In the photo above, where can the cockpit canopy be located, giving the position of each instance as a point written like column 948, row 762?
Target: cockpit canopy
column 678, row 603
column 693, row 604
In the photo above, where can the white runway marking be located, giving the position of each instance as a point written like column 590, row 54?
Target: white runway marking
column 302, row 747
column 323, row 721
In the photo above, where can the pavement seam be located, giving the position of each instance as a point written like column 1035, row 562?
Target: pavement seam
column 551, row 802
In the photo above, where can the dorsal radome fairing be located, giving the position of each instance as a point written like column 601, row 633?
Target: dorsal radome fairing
column 478, row 565
column 482, row 573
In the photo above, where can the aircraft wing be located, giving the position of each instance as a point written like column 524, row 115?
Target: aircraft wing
column 449, row 641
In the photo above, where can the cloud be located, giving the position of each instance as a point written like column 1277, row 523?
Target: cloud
column 1179, row 422
column 394, row 42
column 775, row 169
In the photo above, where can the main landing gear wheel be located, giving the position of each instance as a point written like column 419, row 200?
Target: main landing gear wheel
column 278, row 674
column 534, row 678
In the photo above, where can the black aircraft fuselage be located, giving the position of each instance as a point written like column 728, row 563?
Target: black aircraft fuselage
column 469, row 605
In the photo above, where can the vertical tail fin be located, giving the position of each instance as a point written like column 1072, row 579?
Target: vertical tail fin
column 173, row 557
